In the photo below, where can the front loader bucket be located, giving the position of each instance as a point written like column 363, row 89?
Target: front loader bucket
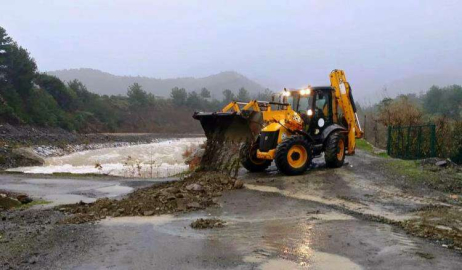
column 226, row 133
column 231, row 126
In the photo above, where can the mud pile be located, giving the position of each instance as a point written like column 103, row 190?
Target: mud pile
column 195, row 192
column 442, row 224
column 221, row 156
column 226, row 134
column 208, row 223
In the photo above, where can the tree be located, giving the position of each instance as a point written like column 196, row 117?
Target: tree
column 205, row 93
column 451, row 102
column 44, row 110
column 17, row 69
column 266, row 95
column 64, row 96
column 399, row 112
column 5, row 45
column 20, row 70
column 83, row 95
column 179, row 96
column 444, row 101
column 432, row 100
column 243, row 95
column 137, row 97
column 228, row 96
column 194, row 100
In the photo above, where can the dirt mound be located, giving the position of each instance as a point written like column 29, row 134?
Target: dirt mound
column 208, row 223
column 438, row 223
column 194, row 192
column 226, row 132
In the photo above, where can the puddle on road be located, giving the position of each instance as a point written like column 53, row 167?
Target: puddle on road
column 316, row 261
column 277, row 264
column 154, row 220
column 359, row 208
column 248, row 239
column 67, row 191
column 114, row 191
column 59, row 199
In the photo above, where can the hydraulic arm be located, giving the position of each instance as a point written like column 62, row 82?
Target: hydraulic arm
column 346, row 103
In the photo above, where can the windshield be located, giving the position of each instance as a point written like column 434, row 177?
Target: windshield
column 302, row 104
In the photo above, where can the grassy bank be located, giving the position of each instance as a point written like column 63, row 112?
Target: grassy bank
column 366, row 146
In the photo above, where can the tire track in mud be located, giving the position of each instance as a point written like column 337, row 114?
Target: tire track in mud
column 392, row 193
column 342, row 205
column 411, row 221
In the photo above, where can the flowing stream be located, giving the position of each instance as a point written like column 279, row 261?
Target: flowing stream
column 159, row 159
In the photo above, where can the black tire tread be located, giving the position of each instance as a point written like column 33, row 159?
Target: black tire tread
column 247, row 163
column 281, row 155
column 330, row 152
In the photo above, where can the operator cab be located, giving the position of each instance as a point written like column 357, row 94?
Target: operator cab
column 314, row 105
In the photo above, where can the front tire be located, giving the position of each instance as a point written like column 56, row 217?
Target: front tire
column 334, row 153
column 293, row 155
column 249, row 158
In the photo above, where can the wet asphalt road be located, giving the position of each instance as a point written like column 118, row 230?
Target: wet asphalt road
column 264, row 230
column 66, row 190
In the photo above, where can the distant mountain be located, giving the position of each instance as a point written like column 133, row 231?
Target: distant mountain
column 108, row 84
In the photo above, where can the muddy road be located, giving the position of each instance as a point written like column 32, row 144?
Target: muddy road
column 345, row 218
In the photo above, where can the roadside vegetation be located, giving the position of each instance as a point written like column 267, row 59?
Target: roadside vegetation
column 421, row 173
column 368, row 147
column 30, row 97
column 438, row 106
column 447, row 178
column 33, row 203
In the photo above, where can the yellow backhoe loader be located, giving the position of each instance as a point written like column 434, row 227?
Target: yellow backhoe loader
column 293, row 128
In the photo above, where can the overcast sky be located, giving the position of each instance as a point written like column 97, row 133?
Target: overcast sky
column 276, row 43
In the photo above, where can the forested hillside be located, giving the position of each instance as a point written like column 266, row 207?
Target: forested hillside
column 108, row 84
column 30, row 97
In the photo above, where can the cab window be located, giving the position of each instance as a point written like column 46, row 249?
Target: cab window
column 304, row 104
column 321, row 103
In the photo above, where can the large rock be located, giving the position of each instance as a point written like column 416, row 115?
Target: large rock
column 194, row 205
column 8, row 203
column 24, row 199
column 194, row 187
column 238, row 184
column 442, row 163
column 27, row 157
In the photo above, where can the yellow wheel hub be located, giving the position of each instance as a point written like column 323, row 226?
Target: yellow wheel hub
column 341, row 149
column 297, row 156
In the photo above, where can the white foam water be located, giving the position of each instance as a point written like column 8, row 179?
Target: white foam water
column 154, row 160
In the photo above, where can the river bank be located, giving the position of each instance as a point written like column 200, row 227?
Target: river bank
column 27, row 145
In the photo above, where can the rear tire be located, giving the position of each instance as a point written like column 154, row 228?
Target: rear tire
column 334, row 153
column 293, row 155
column 249, row 158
